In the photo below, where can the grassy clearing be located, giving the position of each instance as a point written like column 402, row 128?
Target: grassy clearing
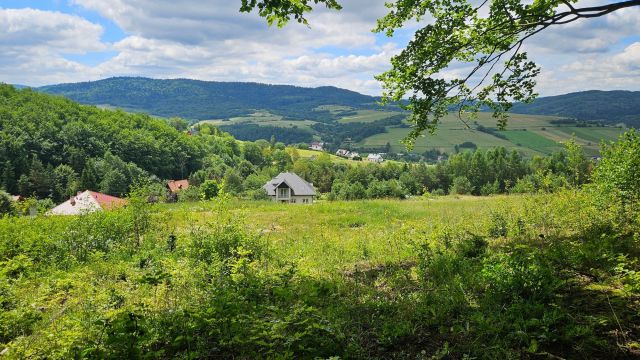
column 329, row 237
column 264, row 118
column 366, row 116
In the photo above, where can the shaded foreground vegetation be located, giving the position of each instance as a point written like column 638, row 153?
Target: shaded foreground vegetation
column 534, row 276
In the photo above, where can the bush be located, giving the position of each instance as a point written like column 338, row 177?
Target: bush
column 209, row 189
column 616, row 176
column 6, row 204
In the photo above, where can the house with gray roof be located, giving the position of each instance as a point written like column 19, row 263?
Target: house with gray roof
column 290, row 188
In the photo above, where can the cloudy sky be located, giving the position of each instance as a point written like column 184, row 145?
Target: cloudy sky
column 53, row 41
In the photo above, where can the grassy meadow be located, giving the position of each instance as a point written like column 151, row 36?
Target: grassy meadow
column 536, row 276
column 334, row 236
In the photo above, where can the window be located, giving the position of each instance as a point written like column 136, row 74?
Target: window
column 283, row 192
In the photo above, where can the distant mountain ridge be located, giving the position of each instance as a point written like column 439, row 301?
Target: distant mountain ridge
column 610, row 107
column 202, row 100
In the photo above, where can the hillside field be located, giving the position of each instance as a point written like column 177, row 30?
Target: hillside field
column 528, row 134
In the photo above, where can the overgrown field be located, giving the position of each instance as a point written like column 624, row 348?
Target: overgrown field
column 534, row 276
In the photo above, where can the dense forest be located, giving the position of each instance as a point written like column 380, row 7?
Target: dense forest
column 202, row 100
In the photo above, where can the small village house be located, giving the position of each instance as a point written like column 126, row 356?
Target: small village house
column 343, row 153
column 290, row 188
column 375, row 158
column 177, row 185
column 355, row 156
column 317, row 145
column 87, row 202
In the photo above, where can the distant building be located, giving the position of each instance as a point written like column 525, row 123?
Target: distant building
column 177, row 185
column 355, row 156
column 317, row 145
column 375, row 158
column 87, row 202
column 290, row 188
column 17, row 198
column 343, row 153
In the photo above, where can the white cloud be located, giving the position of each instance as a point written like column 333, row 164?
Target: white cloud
column 33, row 44
column 212, row 40
column 216, row 42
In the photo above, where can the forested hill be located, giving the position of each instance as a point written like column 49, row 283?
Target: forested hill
column 203, row 100
column 610, row 107
column 51, row 146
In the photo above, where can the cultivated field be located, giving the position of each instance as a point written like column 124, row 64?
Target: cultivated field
column 528, row 134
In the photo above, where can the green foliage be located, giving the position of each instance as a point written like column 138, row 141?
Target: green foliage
column 209, row 189
column 461, row 186
column 5, row 203
column 617, row 173
column 280, row 12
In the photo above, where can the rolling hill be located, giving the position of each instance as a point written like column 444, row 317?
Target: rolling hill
column 201, row 100
column 344, row 118
column 610, row 107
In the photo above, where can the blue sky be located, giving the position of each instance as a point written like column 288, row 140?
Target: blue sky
column 53, row 41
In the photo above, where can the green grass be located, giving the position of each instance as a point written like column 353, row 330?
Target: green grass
column 526, row 276
column 532, row 140
column 366, row 116
column 541, row 138
column 263, row 118
column 329, row 237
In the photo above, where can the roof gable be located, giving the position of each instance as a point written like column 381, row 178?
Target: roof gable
column 298, row 185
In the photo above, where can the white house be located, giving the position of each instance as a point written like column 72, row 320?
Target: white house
column 290, row 188
column 375, row 158
column 355, row 156
column 87, row 202
column 316, row 145
column 343, row 153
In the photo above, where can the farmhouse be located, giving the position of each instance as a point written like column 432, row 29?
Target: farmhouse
column 375, row 158
column 87, row 202
column 355, row 156
column 290, row 188
column 316, row 145
column 177, row 185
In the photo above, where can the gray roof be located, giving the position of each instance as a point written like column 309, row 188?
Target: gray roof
column 297, row 184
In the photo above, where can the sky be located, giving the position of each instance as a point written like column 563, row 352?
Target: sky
column 57, row 41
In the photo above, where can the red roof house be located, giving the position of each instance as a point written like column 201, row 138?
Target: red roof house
column 177, row 185
column 86, row 202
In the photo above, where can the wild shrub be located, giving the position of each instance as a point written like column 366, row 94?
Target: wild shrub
column 5, row 203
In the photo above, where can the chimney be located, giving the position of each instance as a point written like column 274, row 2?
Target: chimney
column 73, row 201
